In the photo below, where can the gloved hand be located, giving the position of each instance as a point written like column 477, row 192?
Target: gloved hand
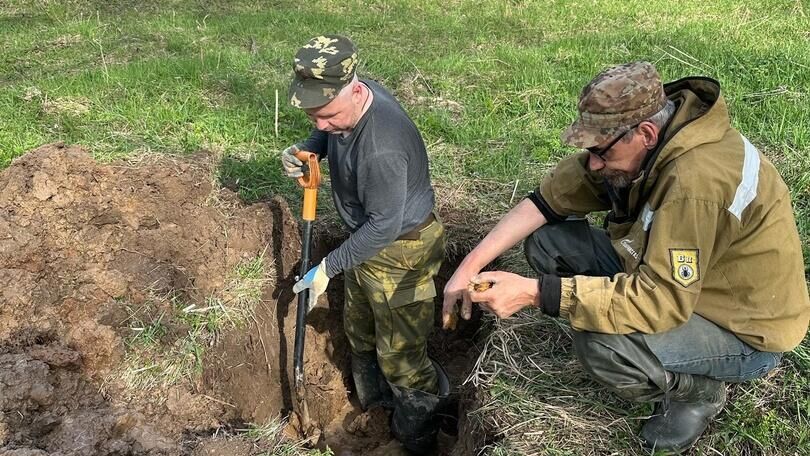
column 292, row 165
column 316, row 280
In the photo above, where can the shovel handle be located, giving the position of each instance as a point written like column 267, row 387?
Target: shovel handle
column 312, row 170
column 310, row 182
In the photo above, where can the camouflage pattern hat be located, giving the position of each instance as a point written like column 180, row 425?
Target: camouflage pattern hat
column 321, row 68
column 615, row 100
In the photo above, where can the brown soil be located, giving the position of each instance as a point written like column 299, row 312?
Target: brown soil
column 88, row 248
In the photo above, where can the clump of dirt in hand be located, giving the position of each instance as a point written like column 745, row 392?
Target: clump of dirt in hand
column 143, row 305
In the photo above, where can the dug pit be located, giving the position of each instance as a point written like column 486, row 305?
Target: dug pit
column 147, row 310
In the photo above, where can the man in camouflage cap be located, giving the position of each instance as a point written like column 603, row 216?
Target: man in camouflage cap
column 322, row 68
column 698, row 278
column 615, row 101
column 381, row 187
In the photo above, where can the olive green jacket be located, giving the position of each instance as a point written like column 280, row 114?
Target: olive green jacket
column 709, row 229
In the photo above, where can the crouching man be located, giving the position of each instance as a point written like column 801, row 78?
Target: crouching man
column 698, row 278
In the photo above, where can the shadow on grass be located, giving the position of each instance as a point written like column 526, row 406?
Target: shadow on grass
column 256, row 178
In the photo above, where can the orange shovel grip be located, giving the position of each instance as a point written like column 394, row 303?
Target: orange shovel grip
column 310, row 182
column 312, row 173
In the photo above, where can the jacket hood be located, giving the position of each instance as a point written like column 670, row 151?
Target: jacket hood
column 701, row 117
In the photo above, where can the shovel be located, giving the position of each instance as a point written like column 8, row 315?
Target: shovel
column 310, row 182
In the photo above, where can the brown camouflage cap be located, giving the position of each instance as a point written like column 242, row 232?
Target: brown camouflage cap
column 615, row 100
column 321, row 68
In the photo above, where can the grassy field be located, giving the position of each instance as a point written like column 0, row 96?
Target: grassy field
column 490, row 84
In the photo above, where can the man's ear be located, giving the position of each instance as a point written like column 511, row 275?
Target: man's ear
column 356, row 89
column 649, row 133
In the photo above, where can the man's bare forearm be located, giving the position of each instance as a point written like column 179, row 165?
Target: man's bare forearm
column 515, row 226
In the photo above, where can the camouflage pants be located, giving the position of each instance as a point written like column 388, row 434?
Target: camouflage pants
column 389, row 307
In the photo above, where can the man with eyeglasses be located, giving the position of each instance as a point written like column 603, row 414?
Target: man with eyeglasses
column 698, row 278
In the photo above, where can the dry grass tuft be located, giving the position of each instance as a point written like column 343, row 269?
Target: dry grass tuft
column 243, row 290
column 414, row 90
column 534, row 399
column 73, row 106
column 537, row 399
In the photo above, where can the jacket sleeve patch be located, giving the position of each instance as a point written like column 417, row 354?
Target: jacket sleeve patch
column 685, row 265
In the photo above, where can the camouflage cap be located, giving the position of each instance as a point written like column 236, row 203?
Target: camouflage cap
column 615, row 100
column 321, row 68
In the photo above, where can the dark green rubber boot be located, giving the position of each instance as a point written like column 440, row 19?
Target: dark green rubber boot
column 415, row 422
column 694, row 401
column 369, row 383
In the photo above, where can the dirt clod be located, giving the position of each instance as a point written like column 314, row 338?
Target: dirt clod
column 373, row 422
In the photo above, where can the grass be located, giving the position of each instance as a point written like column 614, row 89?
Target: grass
column 490, row 84
column 163, row 351
column 235, row 304
column 146, row 334
column 269, row 436
column 538, row 401
column 168, row 349
column 243, row 290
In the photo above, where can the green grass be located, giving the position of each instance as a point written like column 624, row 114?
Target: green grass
column 168, row 335
column 165, row 347
column 490, row 84
column 537, row 400
column 146, row 334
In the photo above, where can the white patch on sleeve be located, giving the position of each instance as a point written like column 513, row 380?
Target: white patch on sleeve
column 647, row 216
column 747, row 190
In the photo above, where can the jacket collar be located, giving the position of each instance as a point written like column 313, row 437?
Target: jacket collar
column 701, row 117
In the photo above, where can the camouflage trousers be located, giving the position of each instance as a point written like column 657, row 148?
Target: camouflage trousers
column 389, row 307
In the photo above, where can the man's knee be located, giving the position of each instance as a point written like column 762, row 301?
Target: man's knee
column 540, row 248
column 360, row 335
column 568, row 248
column 622, row 363
column 411, row 369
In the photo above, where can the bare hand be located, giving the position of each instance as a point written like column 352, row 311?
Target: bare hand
column 508, row 294
column 455, row 290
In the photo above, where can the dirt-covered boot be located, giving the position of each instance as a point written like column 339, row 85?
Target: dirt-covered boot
column 369, row 383
column 414, row 422
column 694, row 401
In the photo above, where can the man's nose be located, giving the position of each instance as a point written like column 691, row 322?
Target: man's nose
column 595, row 163
column 321, row 124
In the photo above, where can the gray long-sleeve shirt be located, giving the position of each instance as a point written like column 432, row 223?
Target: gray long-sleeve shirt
column 380, row 179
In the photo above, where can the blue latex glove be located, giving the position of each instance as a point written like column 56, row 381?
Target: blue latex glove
column 316, row 280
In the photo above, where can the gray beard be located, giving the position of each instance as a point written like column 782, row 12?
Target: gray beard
column 617, row 179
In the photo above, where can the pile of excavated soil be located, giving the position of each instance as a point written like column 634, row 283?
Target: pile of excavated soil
column 93, row 256
column 86, row 248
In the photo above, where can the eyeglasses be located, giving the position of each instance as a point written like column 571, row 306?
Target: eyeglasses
column 601, row 152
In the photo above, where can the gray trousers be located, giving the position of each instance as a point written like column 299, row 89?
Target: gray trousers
column 634, row 366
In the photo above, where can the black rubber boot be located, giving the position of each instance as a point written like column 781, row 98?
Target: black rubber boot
column 415, row 422
column 369, row 383
column 694, row 401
